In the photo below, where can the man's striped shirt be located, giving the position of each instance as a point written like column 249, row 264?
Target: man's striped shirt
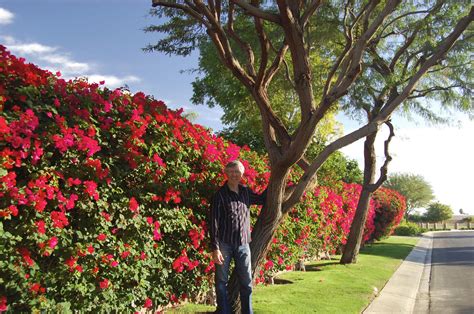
column 230, row 215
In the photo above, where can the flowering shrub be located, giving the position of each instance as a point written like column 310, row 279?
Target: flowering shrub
column 389, row 211
column 104, row 198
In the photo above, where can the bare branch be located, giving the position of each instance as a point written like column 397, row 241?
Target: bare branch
column 423, row 93
column 279, row 59
column 246, row 48
column 309, row 175
column 264, row 46
column 388, row 158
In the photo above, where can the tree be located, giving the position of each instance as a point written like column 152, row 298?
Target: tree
column 438, row 212
column 418, row 193
column 360, row 24
column 447, row 82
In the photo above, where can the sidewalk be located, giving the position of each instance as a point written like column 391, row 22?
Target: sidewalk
column 411, row 279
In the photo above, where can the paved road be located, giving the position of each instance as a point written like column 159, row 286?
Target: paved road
column 451, row 285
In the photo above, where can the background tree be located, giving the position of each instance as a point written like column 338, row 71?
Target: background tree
column 417, row 191
column 359, row 22
column 437, row 212
column 446, row 82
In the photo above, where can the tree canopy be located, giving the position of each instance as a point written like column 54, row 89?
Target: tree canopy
column 416, row 190
column 437, row 212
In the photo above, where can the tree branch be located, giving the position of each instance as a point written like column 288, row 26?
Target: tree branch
column 264, row 46
column 182, row 7
column 254, row 11
column 312, row 7
column 277, row 61
column 437, row 55
column 246, row 48
column 388, row 158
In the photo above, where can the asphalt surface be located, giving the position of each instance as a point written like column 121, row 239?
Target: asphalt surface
column 451, row 284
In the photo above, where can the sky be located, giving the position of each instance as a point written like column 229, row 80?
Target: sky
column 103, row 40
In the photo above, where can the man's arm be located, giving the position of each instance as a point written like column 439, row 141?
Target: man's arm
column 257, row 199
column 214, row 230
column 214, row 222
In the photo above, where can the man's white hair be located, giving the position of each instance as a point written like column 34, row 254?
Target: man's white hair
column 235, row 163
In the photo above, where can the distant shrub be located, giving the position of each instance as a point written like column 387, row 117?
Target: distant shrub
column 408, row 229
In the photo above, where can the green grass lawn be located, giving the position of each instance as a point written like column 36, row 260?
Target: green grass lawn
column 327, row 286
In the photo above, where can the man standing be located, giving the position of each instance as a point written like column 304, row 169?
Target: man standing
column 230, row 236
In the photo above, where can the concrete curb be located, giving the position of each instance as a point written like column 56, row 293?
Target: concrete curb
column 400, row 293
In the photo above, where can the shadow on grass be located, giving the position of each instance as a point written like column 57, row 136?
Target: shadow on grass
column 391, row 250
column 318, row 266
column 280, row 281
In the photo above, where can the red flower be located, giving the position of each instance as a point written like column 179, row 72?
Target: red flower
column 59, row 219
column 3, row 304
column 101, row 237
column 13, row 210
column 133, row 204
column 142, row 256
column 91, row 187
column 148, row 303
column 90, row 249
column 268, row 265
column 104, row 284
column 125, row 254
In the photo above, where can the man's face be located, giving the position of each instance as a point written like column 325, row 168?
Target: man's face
column 234, row 175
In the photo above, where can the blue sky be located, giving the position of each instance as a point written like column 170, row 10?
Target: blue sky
column 102, row 39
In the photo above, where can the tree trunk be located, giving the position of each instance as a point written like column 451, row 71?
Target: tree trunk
column 351, row 250
column 262, row 233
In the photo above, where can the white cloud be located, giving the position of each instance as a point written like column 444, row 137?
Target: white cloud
column 6, row 17
column 54, row 60
column 113, row 81
column 442, row 155
column 30, row 48
column 66, row 65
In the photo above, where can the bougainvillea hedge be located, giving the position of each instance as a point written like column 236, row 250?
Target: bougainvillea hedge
column 104, row 198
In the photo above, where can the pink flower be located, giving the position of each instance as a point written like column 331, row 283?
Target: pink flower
column 53, row 242
column 114, row 264
column 156, row 235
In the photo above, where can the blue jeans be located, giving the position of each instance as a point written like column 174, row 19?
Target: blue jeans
column 243, row 267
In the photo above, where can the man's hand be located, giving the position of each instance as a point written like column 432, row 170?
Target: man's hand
column 217, row 257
